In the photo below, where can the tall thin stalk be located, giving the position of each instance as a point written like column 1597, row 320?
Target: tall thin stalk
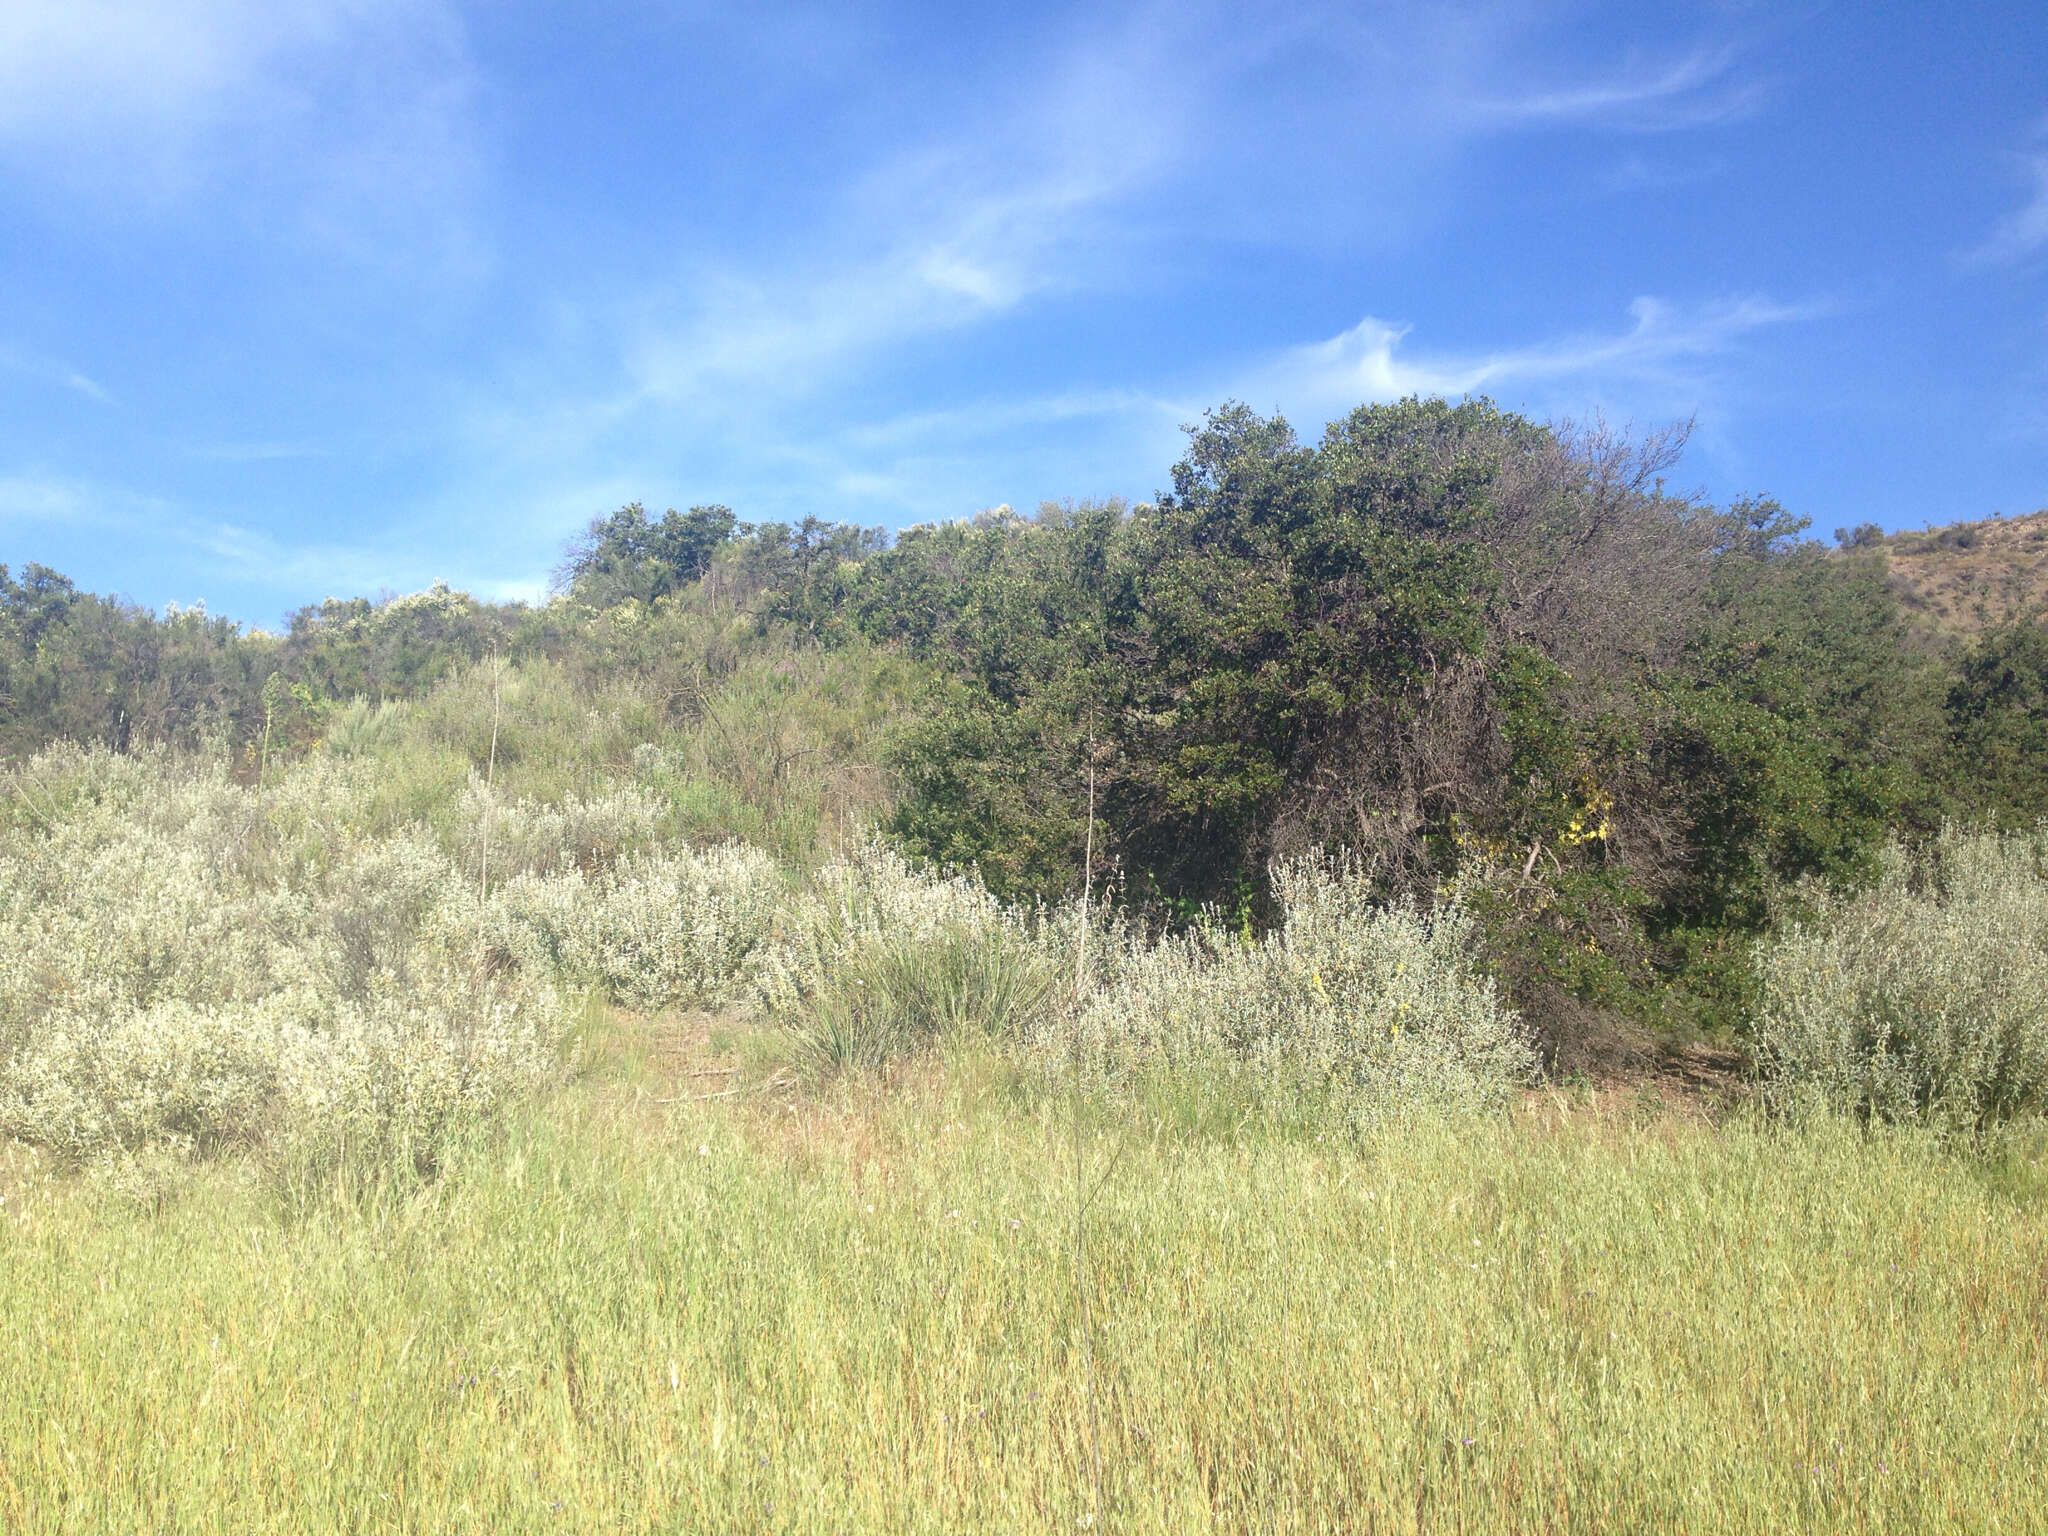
column 272, row 692
column 1080, row 1195
column 491, row 779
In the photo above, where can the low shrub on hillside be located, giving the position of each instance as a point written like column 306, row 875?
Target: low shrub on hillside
column 1350, row 1007
column 654, row 930
column 1923, row 998
column 188, row 964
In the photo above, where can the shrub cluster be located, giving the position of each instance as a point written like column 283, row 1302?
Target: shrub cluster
column 1922, row 998
column 187, row 963
column 1475, row 650
column 653, row 930
column 354, row 952
column 874, row 960
column 1348, row 1006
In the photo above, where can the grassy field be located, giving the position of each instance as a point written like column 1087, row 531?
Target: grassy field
column 857, row 1310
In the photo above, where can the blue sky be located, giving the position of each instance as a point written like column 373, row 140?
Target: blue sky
column 311, row 297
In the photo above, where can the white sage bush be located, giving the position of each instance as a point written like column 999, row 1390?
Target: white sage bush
column 1922, row 998
column 654, row 930
column 188, row 963
column 508, row 837
column 1351, row 1007
column 395, row 1078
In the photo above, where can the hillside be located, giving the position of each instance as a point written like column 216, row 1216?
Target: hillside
column 1962, row 578
column 1270, row 1009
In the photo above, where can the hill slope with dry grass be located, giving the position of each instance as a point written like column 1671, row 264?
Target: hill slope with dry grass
column 1967, row 577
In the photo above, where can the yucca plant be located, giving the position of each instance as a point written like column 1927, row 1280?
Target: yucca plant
column 889, row 999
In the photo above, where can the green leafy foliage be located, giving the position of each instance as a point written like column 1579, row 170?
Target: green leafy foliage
column 353, row 648
column 1998, row 720
column 1469, row 652
column 76, row 666
column 1799, row 727
column 628, row 556
column 1214, row 656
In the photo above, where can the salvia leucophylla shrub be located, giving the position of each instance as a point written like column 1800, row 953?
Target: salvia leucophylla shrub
column 188, row 964
column 1923, row 998
column 1350, row 1007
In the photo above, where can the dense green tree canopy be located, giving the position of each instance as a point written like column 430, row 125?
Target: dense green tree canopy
column 630, row 556
column 1998, row 716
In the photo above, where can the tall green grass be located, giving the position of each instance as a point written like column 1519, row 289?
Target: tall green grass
column 858, row 1314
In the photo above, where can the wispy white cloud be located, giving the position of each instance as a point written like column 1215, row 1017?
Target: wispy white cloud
column 1700, row 88
column 52, row 502
column 80, row 384
column 935, row 237
column 1370, row 362
column 345, row 123
column 42, row 498
column 1065, row 181
column 128, row 70
column 2023, row 233
column 924, row 464
column 759, row 365
column 75, row 67
column 1665, row 343
column 1669, row 361
column 228, row 553
column 761, row 369
column 62, row 375
column 995, row 417
column 331, row 568
column 396, row 562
